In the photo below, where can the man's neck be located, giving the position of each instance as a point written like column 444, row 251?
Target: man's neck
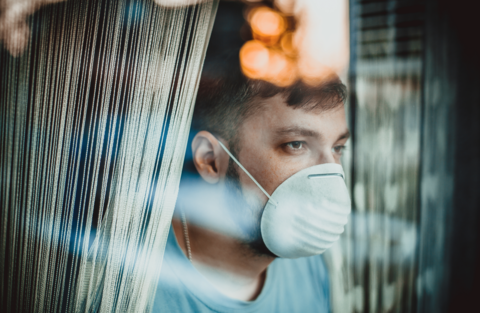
column 232, row 267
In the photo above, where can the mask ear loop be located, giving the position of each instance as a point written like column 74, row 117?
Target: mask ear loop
column 246, row 172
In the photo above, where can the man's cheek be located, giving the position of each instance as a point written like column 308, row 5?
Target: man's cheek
column 281, row 170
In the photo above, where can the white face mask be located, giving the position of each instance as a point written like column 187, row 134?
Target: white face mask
column 307, row 213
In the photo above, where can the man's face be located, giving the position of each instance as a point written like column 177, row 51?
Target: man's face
column 279, row 141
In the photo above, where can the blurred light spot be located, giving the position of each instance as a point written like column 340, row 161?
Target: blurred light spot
column 286, row 43
column 321, row 38
column 14, row 31
column 261, row 62
column 314, row 73
column 315, row 51
column 267, row 25
column 281, row 70
column 287, row 6
column 254, row 59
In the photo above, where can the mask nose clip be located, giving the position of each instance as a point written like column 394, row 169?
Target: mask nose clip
column 315, row 176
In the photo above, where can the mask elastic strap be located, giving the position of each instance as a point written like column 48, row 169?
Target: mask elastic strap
column 241, row 166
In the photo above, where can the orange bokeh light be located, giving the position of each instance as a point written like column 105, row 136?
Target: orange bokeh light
column 259, row 62
column 267, row 25
column 281, row 70
column 314, row 73
column 315, row 51
column 254, row 58
column 286, row 43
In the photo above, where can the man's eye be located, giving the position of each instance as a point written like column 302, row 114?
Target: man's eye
column 295, row 145
column 339, row 149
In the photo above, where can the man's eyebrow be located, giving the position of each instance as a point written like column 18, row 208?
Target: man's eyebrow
column 300, row 131
column 297, row 131
column 345, row 135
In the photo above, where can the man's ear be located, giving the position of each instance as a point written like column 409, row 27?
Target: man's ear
column 209, row 158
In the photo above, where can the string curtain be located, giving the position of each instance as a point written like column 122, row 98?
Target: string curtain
column 94, row 119
column 375, row 265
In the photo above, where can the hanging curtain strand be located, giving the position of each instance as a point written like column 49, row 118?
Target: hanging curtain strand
column 94, row 120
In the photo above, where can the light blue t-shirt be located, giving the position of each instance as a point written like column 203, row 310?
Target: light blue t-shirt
column 291, row 285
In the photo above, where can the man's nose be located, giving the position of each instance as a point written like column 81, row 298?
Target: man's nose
column 326, row 156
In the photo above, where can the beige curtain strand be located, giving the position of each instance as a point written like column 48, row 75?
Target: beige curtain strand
column 94, row 119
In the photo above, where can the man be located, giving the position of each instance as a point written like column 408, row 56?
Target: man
column 216, row 257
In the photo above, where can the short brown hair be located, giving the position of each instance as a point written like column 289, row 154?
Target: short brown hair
column 224, row 102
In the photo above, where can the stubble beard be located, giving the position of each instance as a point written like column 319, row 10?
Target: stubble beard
column 250, row 226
